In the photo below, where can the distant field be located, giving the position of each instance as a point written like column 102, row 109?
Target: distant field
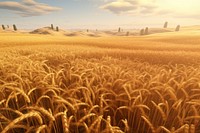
column 133, row 84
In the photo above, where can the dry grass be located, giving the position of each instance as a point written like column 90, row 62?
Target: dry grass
column 112, row 84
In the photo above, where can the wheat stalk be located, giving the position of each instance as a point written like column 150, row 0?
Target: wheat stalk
column 149, row 123
column 42, row 110
column 24, row 116
column 41, row 128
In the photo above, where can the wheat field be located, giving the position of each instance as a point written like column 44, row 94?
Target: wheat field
column 59, row 84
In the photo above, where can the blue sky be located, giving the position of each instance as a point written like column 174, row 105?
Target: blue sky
column 98, row 14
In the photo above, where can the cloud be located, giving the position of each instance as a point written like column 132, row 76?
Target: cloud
column 164, row 8
column 134, row 6
column 119, row 6
column 28, row 8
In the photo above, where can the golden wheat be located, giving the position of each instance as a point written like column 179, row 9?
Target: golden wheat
column 41, row 128
column 24, row 116
column 96, row 85
column 41, row 110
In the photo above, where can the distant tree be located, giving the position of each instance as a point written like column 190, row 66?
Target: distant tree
column 52, row 26
column 165, row 25
column 142, row 32
column 87, row 30
column 119, row 30
column 3, row 27
column 146, row 32
column 177, row 28
column 14, row 27
column 127, row 33
column 57, row 29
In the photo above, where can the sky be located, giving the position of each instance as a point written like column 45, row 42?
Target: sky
column 99, row 14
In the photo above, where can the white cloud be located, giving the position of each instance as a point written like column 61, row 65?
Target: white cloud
column 28, row 8
column 119, row 6
column 154, row 7
column 136, row 6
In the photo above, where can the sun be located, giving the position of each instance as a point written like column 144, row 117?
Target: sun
column 184, row 6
